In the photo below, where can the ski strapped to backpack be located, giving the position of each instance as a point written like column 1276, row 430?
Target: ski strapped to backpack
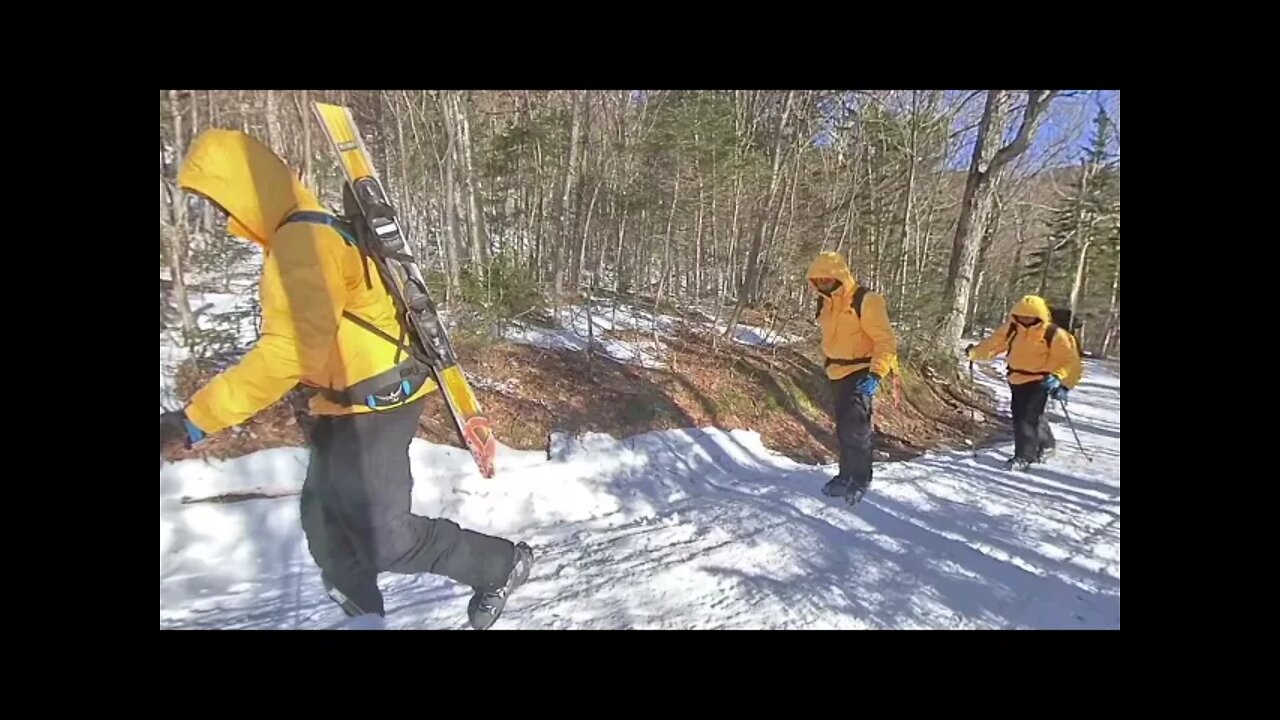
column 370, row 224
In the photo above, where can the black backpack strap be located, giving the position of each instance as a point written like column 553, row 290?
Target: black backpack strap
column 345, row 228
column 387, row 388
column 818, row 311
column 858, row 296
column 1009, row 335
column 1049, row 332
column 377, row 331
column 315, row 217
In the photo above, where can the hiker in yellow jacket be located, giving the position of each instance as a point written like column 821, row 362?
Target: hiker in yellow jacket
column 1043, row 363
column 324, row 308
column 860, row 349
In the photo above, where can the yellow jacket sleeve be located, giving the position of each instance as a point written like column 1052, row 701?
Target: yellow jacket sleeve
column 302, row 295
column 994, row 345
column 875, row 323
column 1065, row 360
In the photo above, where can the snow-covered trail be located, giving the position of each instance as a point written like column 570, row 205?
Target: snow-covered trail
column 693, row 529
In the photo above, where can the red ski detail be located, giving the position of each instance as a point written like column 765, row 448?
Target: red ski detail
column 478, row 435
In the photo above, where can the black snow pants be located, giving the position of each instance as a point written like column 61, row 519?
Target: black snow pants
column 355, row 512
column 853, row 429
column 1031, row 433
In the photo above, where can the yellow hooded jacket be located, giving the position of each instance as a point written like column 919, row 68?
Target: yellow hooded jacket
column 1030, row 358
column 844, row 335
column 310, row 275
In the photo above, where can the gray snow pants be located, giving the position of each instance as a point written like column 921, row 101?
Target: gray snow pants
column 356, row 517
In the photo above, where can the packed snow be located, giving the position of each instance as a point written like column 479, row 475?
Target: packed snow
column 690, row 529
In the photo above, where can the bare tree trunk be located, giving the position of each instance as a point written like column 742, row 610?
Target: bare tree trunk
column 985, row 167
column 697, row 246
column 730, row 279
column 308, row 177
column 206, row 209
column 586, row 230
column 1113, row 312
column 762, row 213
column 1077, row 286
column 908, row 202
column 475, row 218
column 992, row 226
column 178, row 204
column 404, row 191
column 570, row 177
column 273, row 123
column 1043, row 287
column 1083, row 238
column 1012, row 287
column 450, row 217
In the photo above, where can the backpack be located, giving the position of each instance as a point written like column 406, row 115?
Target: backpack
column 402, row 380
column 1063, row 319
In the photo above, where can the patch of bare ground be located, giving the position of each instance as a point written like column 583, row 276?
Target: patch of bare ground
column 782, row 393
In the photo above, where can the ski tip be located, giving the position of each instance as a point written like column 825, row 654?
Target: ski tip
column 478, row 434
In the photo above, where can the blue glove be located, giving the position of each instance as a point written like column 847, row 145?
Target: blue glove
column 868, row 385
column 1052, row 383
column 176, row 428
column 1060, row 393
column 194, row 434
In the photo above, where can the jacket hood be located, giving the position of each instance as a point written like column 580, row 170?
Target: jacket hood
column 248, row 181
column 832, row 265
column 1032, row 305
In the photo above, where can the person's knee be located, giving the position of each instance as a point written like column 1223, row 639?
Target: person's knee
column 406, row 536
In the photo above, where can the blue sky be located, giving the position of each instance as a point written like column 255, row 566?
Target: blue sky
column 1061, row 137
column 1066, row 112
column 1062, row 134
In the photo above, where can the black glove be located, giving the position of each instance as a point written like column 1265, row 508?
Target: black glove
column 969, row 350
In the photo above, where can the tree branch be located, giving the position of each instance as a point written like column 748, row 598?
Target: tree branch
column 1036, row 104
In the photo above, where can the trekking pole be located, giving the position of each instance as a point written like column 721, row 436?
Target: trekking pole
column 973, row 388
column 1073, row 429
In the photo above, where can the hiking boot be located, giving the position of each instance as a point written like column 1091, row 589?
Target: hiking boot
column 1017, row 464
column 349, row 606
column 487, row 605
column 855, row 493
column 837, row 487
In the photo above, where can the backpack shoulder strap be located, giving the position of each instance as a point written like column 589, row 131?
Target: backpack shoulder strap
column 345, row 228
column 858, row 296
column 317, row 217
column 1009, row 335
column 1049, row 332
column 347, row 231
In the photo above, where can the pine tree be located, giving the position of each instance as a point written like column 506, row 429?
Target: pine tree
column 1080, row 255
